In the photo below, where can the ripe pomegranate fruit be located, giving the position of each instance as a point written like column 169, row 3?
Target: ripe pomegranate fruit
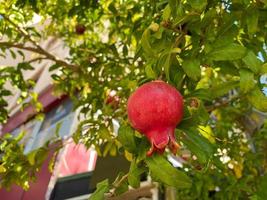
column 155, row 109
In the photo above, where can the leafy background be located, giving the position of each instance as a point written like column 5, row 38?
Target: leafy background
column 213, row 52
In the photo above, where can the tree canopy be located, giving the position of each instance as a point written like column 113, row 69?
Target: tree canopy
column 213, row 51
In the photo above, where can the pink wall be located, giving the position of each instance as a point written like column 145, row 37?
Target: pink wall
column 47, row 99
column 37, row 189
column 15, row 193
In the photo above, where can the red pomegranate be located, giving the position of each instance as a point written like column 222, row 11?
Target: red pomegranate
column 155, row 109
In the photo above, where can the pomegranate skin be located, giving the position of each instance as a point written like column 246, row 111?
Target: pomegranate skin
column 155, row 109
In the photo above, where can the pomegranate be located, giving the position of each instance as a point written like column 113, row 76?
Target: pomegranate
column 80, row 29
column 155, row 109
column 113, row 99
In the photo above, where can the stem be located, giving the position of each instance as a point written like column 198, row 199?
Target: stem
column 221, row 104
column 134, row 194
column 36, row 59
column 121, row 181
column 112, row 193
column 19, row 46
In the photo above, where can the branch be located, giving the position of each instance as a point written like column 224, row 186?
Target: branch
column 134, row 194
column 38, row 48
column 36, row 59
column 121, row 181
column 19, row 46
column 222, row 104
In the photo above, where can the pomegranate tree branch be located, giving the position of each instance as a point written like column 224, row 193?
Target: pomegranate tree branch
column 36, row 59
column 19, row 46
column 222, row 103
column 37, row 48
column 134, row 194
column 121, row 180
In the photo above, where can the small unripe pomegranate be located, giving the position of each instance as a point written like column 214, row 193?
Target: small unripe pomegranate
column 155, row 109
column 80, row 29
column 113, row 99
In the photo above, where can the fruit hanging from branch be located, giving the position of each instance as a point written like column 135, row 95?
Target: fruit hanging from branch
column 155, row 109
column 80, row 29
column 112, row 99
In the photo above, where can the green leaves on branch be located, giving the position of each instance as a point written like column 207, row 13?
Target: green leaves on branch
column 25, row 66
column 252, row 62
column 197, row 144
column 223, row 88
column 127, row 138
column 227, row 52
column 198, row 5
column 163, row 171
column 247, row 82
column 252, row 18
column 135, row 174
column 101, row 189
column 192, row 68
column 166, row 12
column 146, row 44
column 258, row 99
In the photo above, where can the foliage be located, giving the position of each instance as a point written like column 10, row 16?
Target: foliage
column 213, row 52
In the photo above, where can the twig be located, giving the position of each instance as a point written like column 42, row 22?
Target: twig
column 38, row 48
column 121, row 181
column 134, row 194
column 19, row 46
column 221, row 104
column 190, row 44
column 36, row 59
column 115, row 186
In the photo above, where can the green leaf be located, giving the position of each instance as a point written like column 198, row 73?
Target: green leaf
column 202, row 113
column 134, row 174
column 146, row 44
column 201, row 93
column 101, row 189
column 166, row 65
column 228, row 52
column 198, row 4
column 31, row 156
column 13, row 54
column 262, row 192
column 192, row 68
column 198, row 145
column 252, row 21
column 55, row 77
column 41, row 154
column 127, row 138
column 195, row 150
column 173, row 7
column 258, row 99
column 264, row 69
column 223, row 88
column 166, row 12
column 21, row 54
column 149, row 72
column 247, row 81
column 120, row 185
column 2, row 169
column 162, row 170
column 252, row 62
column 25, row 66
column 54, row 67
column 5, row 93
column 122, row 188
